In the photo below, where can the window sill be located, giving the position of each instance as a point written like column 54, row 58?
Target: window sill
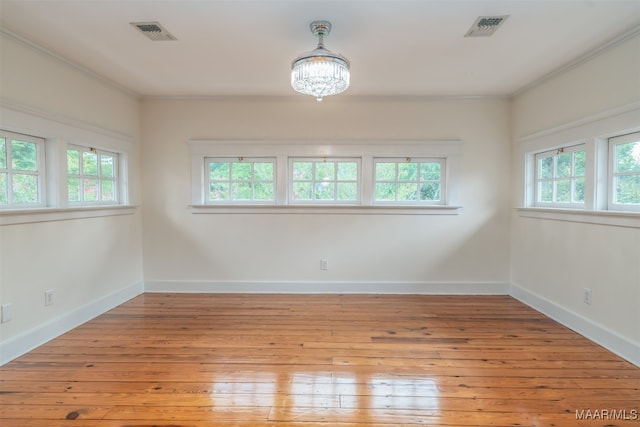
column 26, row 216
column 334, row 209
column 612, row 218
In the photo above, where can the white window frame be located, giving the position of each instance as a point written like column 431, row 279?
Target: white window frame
column 314, row 181
column 231, row 160
column 58, row 133
column 364, row 150
column 399, row 160
column 595, row 132
column 612, row 174
column 537, row 180
column 99, row 177
column 40, row 173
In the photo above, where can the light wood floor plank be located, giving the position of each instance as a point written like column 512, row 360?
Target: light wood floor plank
column 317, row 361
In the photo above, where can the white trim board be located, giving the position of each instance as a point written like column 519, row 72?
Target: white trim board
column 22, row 344
column 328, row 287
column 599, row 334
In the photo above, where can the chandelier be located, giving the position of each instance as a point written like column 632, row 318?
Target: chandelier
column 320, row 72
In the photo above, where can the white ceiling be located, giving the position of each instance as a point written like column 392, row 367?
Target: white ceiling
column 396, row 47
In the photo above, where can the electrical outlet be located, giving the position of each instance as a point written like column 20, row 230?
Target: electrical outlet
column 48, row 297
column 587, row 295
column 6, row 313
column 324, row 264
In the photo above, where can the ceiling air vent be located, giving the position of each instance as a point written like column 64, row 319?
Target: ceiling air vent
column 486, row 26
column 154, row 31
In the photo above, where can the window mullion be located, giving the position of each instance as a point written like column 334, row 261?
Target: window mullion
column 282, row 184
column 366, row 181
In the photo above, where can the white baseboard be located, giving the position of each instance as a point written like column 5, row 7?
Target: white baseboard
column 28, row 341
column 595, row 332
column 39, row 335
column 328, row 287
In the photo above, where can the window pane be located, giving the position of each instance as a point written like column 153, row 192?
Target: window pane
column 563, row 191
column 4, row 194
column 241, row 181
column 108, row 194
column 241, row 190
column 302, row 171
column 563, row 165
column 430, row 191
column 385, row 171
column 107, row 166
column 90, row 189
column 407, row 192
column 407, row 172
column 430, row 172
column 3, row 154
column 302, row 191
column 385, row 191
column 241, row 171
column 545, row 167
column 545, row 191
column 219, row 191
column 219, row 171
column 73, row 186
column 263, row 191
column 628, row 157
column 89, row 163
column 263, row 171
column 325, row 191
column 578, row 195
column 24, row 156
column 347, row 171
column 325, row 171
column 73, row 162
column 347, row 191
column 627, row 189
column 25, row 188
column 579, row 161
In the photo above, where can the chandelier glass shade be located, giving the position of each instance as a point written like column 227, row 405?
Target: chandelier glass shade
column 320, row 73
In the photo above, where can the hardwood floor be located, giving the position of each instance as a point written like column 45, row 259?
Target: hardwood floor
column 319, row 360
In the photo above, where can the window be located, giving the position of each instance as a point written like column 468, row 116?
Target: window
column 624, row 175
column 92, row 176
column 409, row 181
column 256, row 176
column 560, row 177
column 21, row 170
column 240, row 180
column 325, row 180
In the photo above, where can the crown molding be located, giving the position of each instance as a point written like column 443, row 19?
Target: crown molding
column 614, row 42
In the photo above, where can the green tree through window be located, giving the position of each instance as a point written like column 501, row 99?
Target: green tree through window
column 92, row 176
column 410, row 181
column 20, row 172
column 240, row 180
column 627, row 173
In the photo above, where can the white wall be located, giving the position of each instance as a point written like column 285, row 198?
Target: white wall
column 553, row 261
column 485, row 247
column 184, row 251
column 85, row 261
